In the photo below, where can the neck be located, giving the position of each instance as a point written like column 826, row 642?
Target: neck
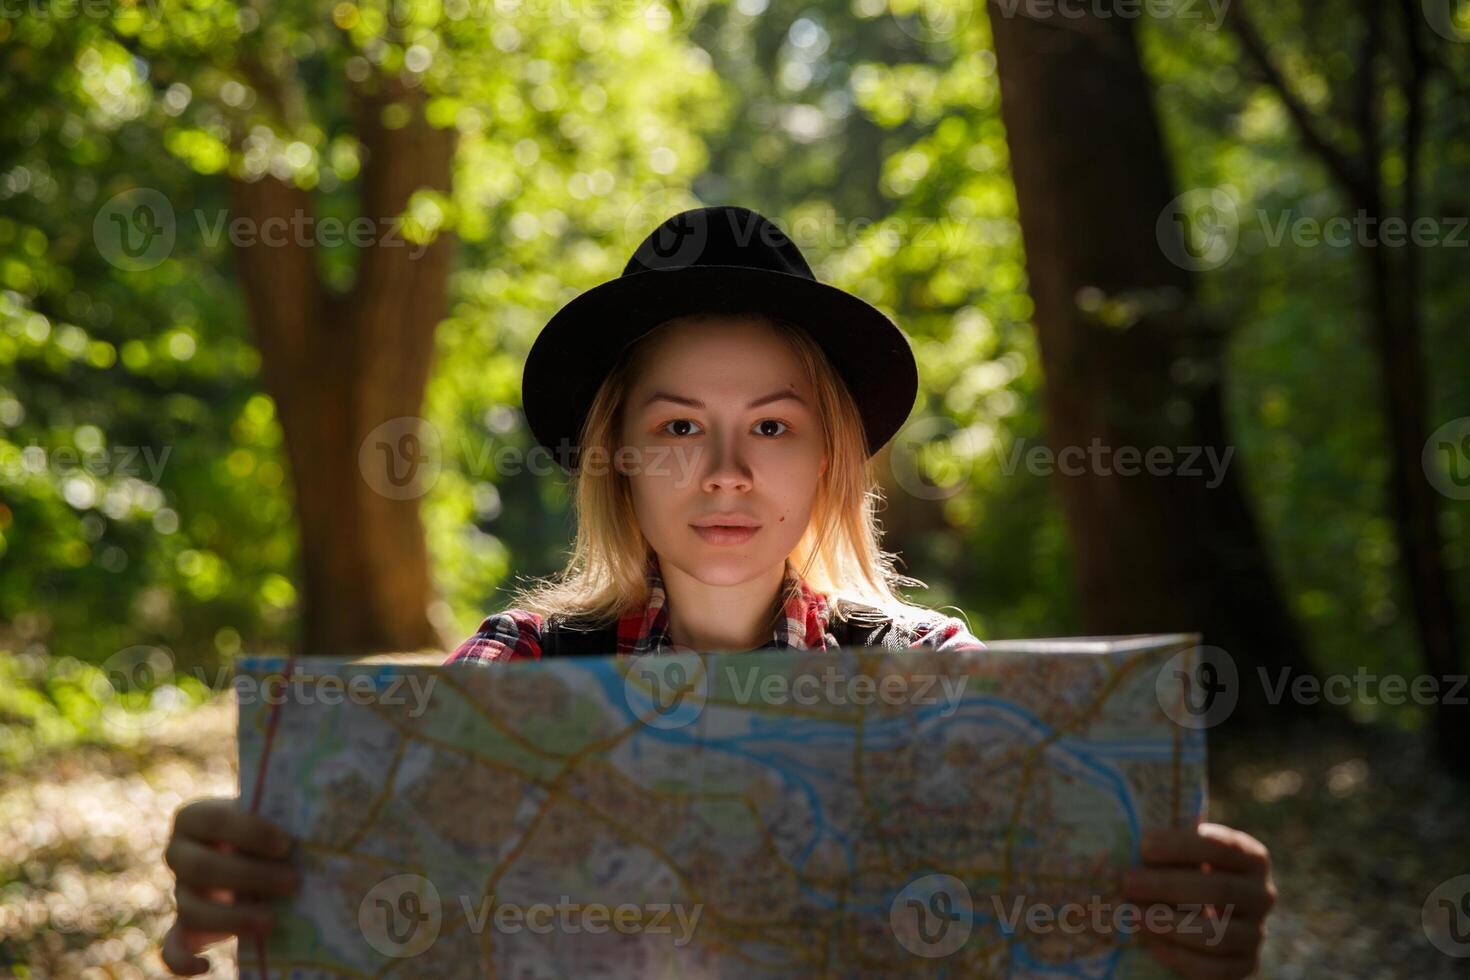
column 722, row 617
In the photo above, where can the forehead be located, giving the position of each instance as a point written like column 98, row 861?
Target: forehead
column 730, row 356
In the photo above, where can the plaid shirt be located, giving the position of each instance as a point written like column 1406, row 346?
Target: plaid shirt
column 516, row 633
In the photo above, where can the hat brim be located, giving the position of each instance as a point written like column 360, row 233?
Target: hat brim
column 579, row 344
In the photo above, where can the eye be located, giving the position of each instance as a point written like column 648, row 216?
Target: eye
column 665, row 427
column 773, row 422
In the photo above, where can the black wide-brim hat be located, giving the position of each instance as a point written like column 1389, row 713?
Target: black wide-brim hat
column 723, row 259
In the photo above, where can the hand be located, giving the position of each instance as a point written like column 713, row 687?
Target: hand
column 1214, row 885
column 225, row 859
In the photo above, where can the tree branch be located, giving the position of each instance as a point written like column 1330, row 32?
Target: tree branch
column 1337, row 161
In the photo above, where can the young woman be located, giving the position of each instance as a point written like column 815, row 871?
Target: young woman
column 724, row 502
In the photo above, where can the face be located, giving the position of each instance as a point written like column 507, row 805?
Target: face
column 722, row 421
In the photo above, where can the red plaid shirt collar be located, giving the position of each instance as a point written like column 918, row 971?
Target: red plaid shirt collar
column 801, row 626
column 515, row 634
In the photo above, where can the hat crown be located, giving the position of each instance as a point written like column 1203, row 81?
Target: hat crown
column 717, row 259
column 724, row 235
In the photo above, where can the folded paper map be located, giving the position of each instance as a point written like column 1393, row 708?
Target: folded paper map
column 851, row 813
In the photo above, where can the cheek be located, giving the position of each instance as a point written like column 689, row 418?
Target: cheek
column 793, row 483
column 654, row 487
column 645, row 506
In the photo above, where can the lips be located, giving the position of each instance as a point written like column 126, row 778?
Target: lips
column 726, row 534
column 729, row 518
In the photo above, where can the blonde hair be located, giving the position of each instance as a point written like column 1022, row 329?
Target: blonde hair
column 839, row 554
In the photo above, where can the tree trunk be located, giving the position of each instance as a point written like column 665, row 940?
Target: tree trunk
column 1128, row 358
column 340, row 366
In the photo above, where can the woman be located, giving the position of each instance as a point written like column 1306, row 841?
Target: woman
column 724, row 501
column 717, row 510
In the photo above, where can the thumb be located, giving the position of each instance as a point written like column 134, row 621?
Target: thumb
column 182, row 946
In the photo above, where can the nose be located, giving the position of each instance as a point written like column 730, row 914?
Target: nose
column 726, row 468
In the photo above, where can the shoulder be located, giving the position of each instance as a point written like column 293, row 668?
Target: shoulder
column 941, row 632
column 514, row 634
column 910, row 628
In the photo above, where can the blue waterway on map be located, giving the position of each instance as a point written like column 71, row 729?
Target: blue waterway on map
column 767, row 742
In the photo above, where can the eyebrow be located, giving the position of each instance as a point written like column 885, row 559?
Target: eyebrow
column 775, row 396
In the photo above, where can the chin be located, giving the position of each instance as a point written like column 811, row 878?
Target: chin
column 730, row 568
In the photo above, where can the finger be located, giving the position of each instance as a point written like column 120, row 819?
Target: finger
column 1214, row 844
column 200, row 914
column 1194, row 928
column 180, row 953
column 225, row 821
column 1181, row 886
column 1200, row 966
column 200, row 866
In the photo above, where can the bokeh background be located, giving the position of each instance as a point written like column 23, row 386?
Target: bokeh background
column 269, row 272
